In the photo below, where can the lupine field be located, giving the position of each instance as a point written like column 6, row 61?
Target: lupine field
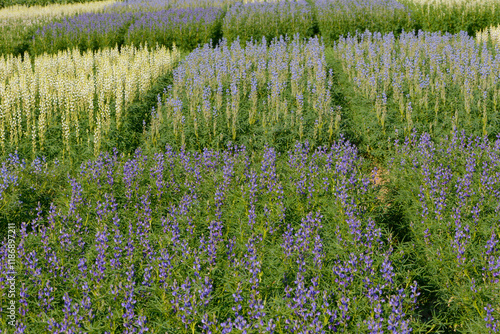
column 218, row 166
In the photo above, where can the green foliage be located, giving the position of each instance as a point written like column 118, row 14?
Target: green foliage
column 254, row 21
column 185, row 28
column 342, row 18
column 138, row 118
column 453, row 16
column 15, row 39
column 8, row 3
column 38, row 184
column 282, row 93
column 358, row 129
column 417, row 82
column 448, row 199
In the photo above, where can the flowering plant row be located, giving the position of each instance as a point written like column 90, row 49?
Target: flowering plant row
column 18, row 23
column 342, row 17
column 32, row 3
column 450, row 190
column 257, row 94
column 439, row 83
column 453, row 16
column 73, row 100
column 255, row 20
column 185, row 27
column 216, row 242
column 188, row 23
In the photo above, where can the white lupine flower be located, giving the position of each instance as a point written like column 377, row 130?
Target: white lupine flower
column 67, row 85
column 491, row 32
column 30, row 14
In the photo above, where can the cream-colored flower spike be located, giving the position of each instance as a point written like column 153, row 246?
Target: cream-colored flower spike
column 29, row 13
column 80, row 93
column 491, row 32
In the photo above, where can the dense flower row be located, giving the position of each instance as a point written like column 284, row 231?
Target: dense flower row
column 39, row 3
column 84, row 31
column 186, row 28
column 454, row 16
column 429, row 81
column 342, row 17
column 267, row 19
column 82, row 96
column 216, row 241
column 18, row 23
column 242, row 94
column 245, row 19
column 151, row 5
column 451, row 192
column 23, row 12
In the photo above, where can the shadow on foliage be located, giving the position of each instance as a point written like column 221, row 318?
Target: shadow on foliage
column 34, row 193
column 138, row 118
column 390, row 214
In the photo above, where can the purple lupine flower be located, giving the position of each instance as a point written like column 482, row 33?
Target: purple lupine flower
column 23, row 294
column 141, row 323
column 129, row 300
column 493, row 325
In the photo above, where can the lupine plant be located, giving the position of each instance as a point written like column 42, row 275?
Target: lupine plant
column 245, row 209
column 186, row 28
column 217, row 241
column 152, row 5
column 433, row 82
column 450, row 192
column 267, row 19
column 38, row 3
column 85, row 31
column 489, row 34
column 25, row 185
column 277, row 93
column 71, row 98
column 53, row 11
column 19, row 23
column 453, row 16
column 131, row 25
column 10, row 172
column 342, row 17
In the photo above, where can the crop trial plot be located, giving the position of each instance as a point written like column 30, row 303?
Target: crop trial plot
column 223, row 166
